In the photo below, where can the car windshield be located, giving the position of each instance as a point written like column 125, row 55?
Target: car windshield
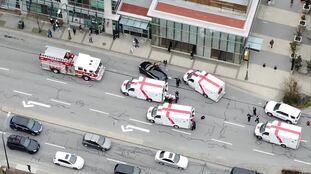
column 73, row 159
column 101, row 140
column 176, row 158
column 263, row 128
column 30, row 123
column 277, row 106
column 154, row 111
column 25, row 142
column 158, row 74
column 98, row 68
column 136, row 170
column 149, row 67
column 189, row 75
column 128, row 84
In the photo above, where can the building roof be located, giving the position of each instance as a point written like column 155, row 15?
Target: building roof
column 205, row 16
column 130, row 8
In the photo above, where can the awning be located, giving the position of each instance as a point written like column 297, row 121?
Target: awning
column 134, row 23
column 254, row 43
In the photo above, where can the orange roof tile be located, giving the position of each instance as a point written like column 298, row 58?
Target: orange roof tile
column 129, row 8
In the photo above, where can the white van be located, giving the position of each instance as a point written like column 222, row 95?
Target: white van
column 206, row 84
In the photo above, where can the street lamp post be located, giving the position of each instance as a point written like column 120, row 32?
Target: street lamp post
column 6, row 155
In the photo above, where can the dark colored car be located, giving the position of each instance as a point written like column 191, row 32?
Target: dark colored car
column 126, row 169
column 96, row 142
column 238, row 170
column 152, row 70
column 26, row 144
column 25, row 124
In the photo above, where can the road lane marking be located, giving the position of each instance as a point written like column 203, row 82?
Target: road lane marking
column 2, row 132
column 20, row 92
column 302, row 162
column 234, row 124
column 140, row 121
column 221, row 141
column 102, row 112
column 50, row 144
column 114, row 95
column 181, row 131
column 263, row 152
column 7, row 115
column 117, row 161
column 5, row 69
column 52, row 80
column 305, row 141
column 58, row 101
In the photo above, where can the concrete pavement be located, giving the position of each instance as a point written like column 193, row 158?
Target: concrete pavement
column 260, row 80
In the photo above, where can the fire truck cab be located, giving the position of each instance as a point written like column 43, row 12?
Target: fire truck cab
column 63, row 61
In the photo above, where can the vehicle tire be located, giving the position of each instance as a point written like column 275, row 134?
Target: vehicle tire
column 32, row 133
column 14, row 128
column 149, row 99
column 176, row 126
column 180, row 168
column 259, row 137
column 283, row 145
column 85, row 145
column 161, row 163
column 75, row 168
column 55, row 71
column 57, row 164
column 269, row 114
column 205, row 95
column 289, row 122
column 86, row 78
column 151, row 121
column 185, row 82
column 126, row 94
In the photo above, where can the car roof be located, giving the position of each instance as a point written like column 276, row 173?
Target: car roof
column 14, row 139
column 238, row 170
column 168, row 155
column 20, row 119
column 91, row 137
column 124, row 168
column 62, row 155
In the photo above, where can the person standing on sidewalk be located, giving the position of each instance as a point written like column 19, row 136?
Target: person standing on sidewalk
column 49, row 33
column 257, row 119
column 177, row 81
column 69, row 34
column 249, row 117
column 271, row 43
column 90, row 38
column 291, row 3
column 74, row 30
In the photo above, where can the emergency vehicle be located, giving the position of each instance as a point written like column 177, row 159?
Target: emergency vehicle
column 206, row 84
column 63, row 61
column 280, row 133
column 146, row 89
column 169, row 114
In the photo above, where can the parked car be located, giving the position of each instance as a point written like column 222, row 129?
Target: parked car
column 283, row 111
column 238, row 170
column 126, row 169
column 152, row 70
column 68, row 160
column 25, row 124
column 171, row 159
column 96, row 141
column 21, row 143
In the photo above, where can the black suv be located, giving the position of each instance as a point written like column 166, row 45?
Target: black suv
column 126, row 169
column 26, row 124
column 17, row 142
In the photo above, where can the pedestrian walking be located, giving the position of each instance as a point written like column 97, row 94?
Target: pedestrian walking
column 257, row 119
column 249, row 117
column 291, row 3
column 176, row 96
column 90, row 39
column 69, row 34
column 54, row 27
column 136, row 43
column 49, row 33
column 194, row 126
column 74, row 30
column 271, row 43
column 177, row 81
column 254, row 111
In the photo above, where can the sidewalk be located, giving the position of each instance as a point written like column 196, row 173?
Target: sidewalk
column 263, row 82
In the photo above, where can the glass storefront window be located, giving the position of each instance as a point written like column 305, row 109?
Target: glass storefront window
column 231, row 43
column 163, row 28
column 216, row 39
column 185, row 33
column 177, row 31
column 170, row 30
column 193, row 35
column 223, row 41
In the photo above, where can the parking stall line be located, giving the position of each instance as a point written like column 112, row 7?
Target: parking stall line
column 54, row 145
column 221, row 141
column 52, row 80
column 302, row 162
column 140, row 121
column 181, row 131
column 4, row 69
column 98, row 111
column 234, row 124
column 260, row 151
column 20, row 92
column 117, row 161
column 61, row 102
column 115, row 95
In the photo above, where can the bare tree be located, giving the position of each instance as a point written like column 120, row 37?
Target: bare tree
column 291, row 91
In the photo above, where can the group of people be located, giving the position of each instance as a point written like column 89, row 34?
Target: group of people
column 249, row 116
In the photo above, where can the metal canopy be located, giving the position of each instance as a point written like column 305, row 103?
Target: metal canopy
column 254, row 43
column 134, row 23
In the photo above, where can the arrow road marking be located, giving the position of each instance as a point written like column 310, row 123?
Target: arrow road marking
column 20, row 92
column 263, row 152
column 50, row 144
column 129, row 128
column 116, row 161
column 33, row 103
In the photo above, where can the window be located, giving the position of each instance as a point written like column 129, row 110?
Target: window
column 80, row 68
column 185, row 33
column 162, row 28
column 63, row 161
column 193, row 35
column 170, row 30
column 177, row 32
column 216, row 39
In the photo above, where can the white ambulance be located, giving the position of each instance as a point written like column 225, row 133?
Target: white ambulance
column 206, row 84
column 177, row 116
column 280, row 133
column 146, row 89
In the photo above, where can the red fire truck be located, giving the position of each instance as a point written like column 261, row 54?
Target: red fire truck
column 59, row 60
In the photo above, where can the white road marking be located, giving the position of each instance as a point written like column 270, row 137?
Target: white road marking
column 129, row 128
column 263, row 152
column 221, row 141
column 114, row 95
column 7, row 115
column 102, row 112
column 50, row 144
column 140, row 121
column 181, row 131
column 305, row 141
column 5, row 69
column 116, row 161
column 52, row 80
column 2, row 132
column 20, row 92
column 264, row 22
column 233, row 124
column 302, row 162
column 33, row 103
column 58, row 101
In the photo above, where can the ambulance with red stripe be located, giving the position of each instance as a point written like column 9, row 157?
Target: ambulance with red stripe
column 280, row 133
column 63, row 61
column 146, row 89
column 169, row 114
column 206, row 84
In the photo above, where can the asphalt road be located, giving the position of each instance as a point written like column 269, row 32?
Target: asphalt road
column 56, row 138
column 224, row 137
